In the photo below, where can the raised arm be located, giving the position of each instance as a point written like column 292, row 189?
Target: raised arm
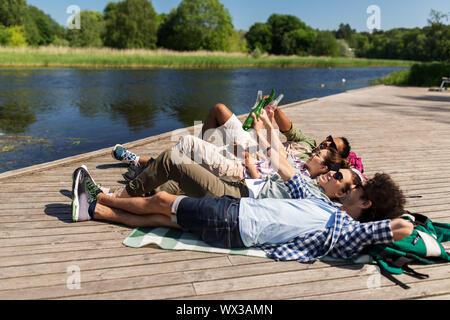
column 283, row 122
column 285, row 169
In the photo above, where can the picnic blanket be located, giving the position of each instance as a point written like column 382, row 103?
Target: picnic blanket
column 173, row 239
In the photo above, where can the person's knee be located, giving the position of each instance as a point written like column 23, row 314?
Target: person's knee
column 163, row 200
column 221, row 111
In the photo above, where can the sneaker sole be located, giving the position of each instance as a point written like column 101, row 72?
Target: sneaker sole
column 74, row 177
column 76, row 200
column 85, row 169
column 113, row 152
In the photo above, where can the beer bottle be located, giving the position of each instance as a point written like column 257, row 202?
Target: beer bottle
column 248, row 123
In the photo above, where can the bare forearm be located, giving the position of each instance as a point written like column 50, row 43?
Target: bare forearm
column 401, row 228
column 285, row 169
column 283, row 122
column 253, row 171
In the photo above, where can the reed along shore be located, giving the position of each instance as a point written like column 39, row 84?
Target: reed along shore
column 63, row 57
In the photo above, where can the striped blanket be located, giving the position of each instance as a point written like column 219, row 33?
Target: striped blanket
column 173, row 239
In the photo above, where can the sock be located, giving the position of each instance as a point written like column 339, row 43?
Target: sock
column 92, row 209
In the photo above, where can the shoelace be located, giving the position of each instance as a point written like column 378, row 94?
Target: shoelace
column 125, row 154
column 92, row 190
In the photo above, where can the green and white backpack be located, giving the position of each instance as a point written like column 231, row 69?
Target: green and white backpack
column 423, row 246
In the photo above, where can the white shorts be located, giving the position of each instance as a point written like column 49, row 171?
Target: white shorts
column 215, row 159
column 229, row 133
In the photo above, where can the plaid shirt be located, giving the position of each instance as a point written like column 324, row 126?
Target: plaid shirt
column 343, row 240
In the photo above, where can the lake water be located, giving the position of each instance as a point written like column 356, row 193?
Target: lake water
column 49, row 114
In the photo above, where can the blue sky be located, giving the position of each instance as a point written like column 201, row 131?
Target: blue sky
column 320, row 14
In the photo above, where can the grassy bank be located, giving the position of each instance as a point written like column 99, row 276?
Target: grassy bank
column 110, row 58
column 419, row 75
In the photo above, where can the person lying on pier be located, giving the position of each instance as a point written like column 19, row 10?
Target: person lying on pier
column 211, row 157
column 304, row 228
column 222, row 118
column 225, row 129
column 184, row 176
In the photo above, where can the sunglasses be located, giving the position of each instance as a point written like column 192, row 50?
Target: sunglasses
column 324, row 144
column 337, row 175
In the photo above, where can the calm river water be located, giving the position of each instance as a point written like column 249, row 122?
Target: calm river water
column 49, row 114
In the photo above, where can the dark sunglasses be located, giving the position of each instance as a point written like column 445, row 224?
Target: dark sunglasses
column 329, row 139
column 338, row 175
column 332, row 144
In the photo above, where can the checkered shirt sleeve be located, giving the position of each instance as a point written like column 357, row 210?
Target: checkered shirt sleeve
column 355, row 236
column 306, row 248
column 343, row 241
column 298, row 188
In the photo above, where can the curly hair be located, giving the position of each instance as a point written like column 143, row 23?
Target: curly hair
column 387, row 199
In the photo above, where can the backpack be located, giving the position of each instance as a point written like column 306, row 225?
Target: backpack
column 356, row 162
column 423, row 246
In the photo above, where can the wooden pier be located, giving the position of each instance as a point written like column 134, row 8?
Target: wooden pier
column 401, row 131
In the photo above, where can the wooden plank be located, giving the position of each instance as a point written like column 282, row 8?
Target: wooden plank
column 54, row 285
column 439, row 284
column 155, row 293
column 269, row 280
column 319, row 288
column 99, row 263
column 89, row 244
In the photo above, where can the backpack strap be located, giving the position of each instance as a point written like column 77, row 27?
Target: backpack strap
column 388, row 275
column 415, row 273
column 416, row 218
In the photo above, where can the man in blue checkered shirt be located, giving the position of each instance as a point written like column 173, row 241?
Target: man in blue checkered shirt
column 303, row 229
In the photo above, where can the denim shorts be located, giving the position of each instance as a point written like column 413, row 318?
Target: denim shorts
column 214, row 220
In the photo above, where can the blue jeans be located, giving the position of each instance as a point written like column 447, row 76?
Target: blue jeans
column 214, row 220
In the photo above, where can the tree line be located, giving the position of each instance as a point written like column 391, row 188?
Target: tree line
column 207, row 25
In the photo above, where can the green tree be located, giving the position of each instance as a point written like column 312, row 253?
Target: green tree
column 238, row 43
column 92, row 28
column 41, row 29
column 12, row 36
column 197, row 25
column 438, row 36
column 326, row 45
column 130, row 24
column 344, row 32
column 359, row 42
column 281, row 24
column 13, row 12
column 259, row 36
column 5, row 35
column 299, row 42
column 18, row 38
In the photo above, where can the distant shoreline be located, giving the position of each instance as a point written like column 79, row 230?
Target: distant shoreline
column 91, row 58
